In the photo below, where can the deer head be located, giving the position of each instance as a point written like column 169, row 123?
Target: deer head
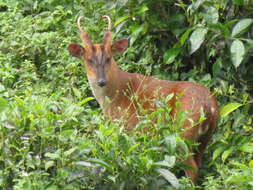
column 98, row 58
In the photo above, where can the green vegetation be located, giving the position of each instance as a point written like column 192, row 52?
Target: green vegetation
column 53, row 135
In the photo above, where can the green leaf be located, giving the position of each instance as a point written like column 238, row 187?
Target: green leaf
column 218, row 151
column 2, row 88
column 171, row 142
column 101, row 163
column 227, row 109
column 216, row 67
column 135, row 33
column 238, row 2
column 212, row 15
column 237, row 52
column 183, row 38
column 247, row 147
column 169, row 176
column 70, row 151
column 170, row 55
column 197, row 38
column 142, row 9
column 169, row 161
column 83, row 163
column 84, row 101
column 243, row 178
column 251, row 163
column 3, row 104
column 226, row 153
column 49, row 164
column 53, row 156
column 120, row 20
column 121, row 3
column 241, row 26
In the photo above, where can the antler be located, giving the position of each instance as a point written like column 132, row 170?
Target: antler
column 108, row 34
column 109, row 22
column 83, row 34
column 78, row 23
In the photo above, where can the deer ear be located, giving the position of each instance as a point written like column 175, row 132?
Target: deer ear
column 76, row 50
column 120, row 46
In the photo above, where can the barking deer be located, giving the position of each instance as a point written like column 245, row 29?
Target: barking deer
column 113, row 89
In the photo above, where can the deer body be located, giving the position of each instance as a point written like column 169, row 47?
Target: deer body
column 122, row 94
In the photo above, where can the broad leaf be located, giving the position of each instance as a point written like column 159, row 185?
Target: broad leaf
column 3, row 104
column 218, row 151
column 183, row 38
column 237, row 52
column 197, row 38
column 226, row 153
column 83, row 163
column 169, row 161
column 49, row 164
column 170, row 55
column 247, row 147
column 227, row 109
column 101, row 163
column 120, row 20
column 142, row 9
column 241, row 26
column 169, row 176
column 217, row 67
column 136, row 31
column 212, row 15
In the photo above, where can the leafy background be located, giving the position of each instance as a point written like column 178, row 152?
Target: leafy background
column 52, row 133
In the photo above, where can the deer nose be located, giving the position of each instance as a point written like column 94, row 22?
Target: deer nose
column 101, row 82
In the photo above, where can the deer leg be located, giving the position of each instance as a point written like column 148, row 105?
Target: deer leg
column 201, row 148
column 192, row 172
column 204, row 140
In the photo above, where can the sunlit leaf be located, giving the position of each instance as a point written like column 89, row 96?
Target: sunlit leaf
column 226, row 153
column 84, row 101
column 170, row 55
column 169, row 176
column 142, row 9
column 247, row 147
column 239, row 178
column 53, row 156
column 49, row 164
column 3, row 104
column 212, row 15
column 135, row 33
column 241, row 26
column 227, row 109
column 120, row 20
column 197, row 38
column 100, row 162
column 169, row 161
column 237, row 52
column 218, row 151
column 183, row 38
column 83, row 163
column 70, row 151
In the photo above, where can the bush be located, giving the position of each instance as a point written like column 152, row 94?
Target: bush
column 53, row 135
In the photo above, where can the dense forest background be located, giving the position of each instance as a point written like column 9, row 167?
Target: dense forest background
column 52, row 133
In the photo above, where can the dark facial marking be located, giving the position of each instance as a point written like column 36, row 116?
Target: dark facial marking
column 93, row 49
column 99, row 61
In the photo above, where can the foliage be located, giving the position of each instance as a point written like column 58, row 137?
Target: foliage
column 52, row 135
